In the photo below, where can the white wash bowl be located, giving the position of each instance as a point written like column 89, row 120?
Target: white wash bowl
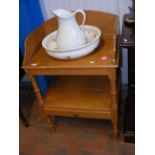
column 92, row 34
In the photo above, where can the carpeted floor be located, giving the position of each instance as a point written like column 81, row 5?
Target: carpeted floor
column 73, row 136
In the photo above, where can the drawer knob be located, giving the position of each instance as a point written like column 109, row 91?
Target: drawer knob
column 76, row 115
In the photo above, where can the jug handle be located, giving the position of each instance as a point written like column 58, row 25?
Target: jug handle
column 84, row 17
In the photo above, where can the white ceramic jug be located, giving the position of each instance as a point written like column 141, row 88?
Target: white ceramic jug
column 69, row 34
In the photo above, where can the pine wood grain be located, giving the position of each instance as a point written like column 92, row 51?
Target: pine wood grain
column 94, row 96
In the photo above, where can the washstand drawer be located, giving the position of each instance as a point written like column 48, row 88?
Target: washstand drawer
column 81, row 114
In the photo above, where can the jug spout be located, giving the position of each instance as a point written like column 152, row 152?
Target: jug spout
column 61, row 13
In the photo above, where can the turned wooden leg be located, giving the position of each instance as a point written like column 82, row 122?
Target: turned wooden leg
column 51, row 123
column 50, row 119
column 114, row 104
column 114, row 117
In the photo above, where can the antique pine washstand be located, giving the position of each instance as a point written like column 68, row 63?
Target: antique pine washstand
column 86, row 87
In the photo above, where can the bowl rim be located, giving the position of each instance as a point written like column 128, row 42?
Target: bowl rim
column 73, row 49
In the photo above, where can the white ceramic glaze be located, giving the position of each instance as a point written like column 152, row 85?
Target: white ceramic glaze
column 69, row 35
column 92, row 35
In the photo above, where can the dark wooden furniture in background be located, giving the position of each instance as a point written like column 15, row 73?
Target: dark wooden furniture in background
column 21, row 74
column 128, row 42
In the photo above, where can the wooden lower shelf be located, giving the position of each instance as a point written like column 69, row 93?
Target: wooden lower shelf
column 79, row 96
